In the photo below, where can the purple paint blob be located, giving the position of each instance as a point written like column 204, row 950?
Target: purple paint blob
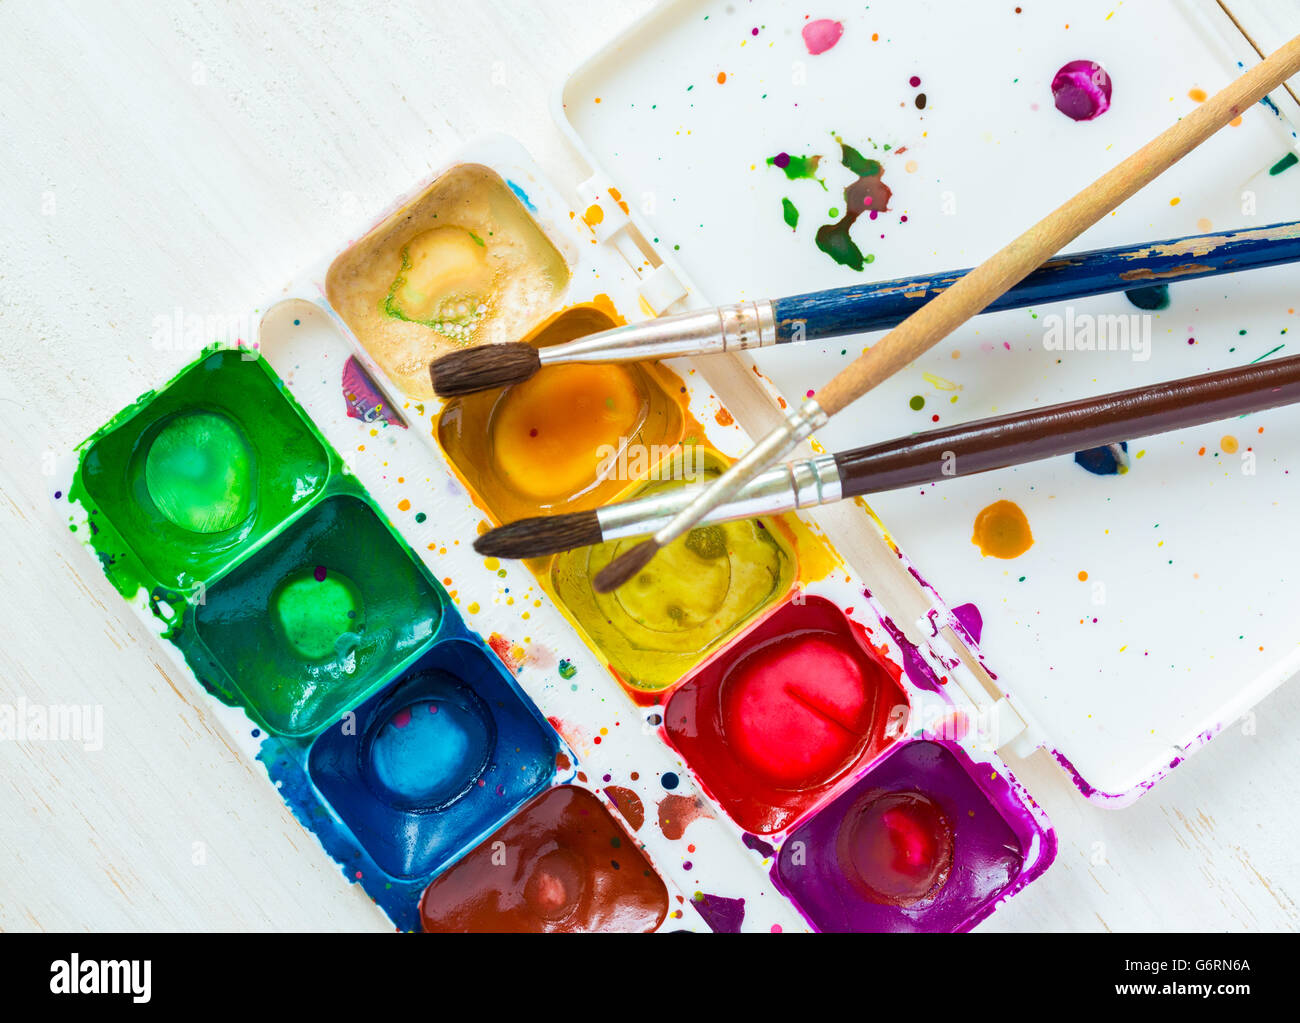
column 1081, row 90
column 820, row 35
column 781, row 160
column 990, row 834
column 763, row 849
column 724, row 916
column 969, row 618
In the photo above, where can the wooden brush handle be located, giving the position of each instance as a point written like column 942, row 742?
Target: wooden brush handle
column 937, row 319
column 1020, row 437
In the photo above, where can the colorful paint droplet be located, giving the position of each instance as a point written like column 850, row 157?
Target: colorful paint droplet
column 676, row 814
column 1081, row 90
column 917, row 403
column 1228, row 443
column 567, row 670
column 820, row 35
column 1002, row 531
column 628, row 804
column 790, row 214
column 1102, row 461
column 1151, row 298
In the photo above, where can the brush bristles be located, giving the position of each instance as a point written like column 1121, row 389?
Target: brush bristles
column 544, row 534
column 625, row 566
column 483, row 368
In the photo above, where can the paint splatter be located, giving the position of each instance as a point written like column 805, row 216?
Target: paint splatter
column 364, row 399
column 1290, row 160
column 1102, row 461
column 820, row 35
column 797, row 168
column 628, row 804
column 567, row 670
column 724, row 916
column 868, row 194
column 1002, row 531
column 764, row 849
column 790, row 214
column 1081, row 90
column 1151, row 298
column 676, row 814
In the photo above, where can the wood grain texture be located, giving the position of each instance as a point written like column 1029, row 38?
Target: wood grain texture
column 1014, row 261
column 164, row 154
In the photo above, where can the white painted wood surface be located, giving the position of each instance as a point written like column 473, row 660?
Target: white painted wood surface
column 156, row 155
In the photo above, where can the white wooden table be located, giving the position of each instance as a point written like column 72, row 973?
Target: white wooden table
column 156, row 155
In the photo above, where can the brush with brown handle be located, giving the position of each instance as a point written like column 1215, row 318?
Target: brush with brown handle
column 939, row 318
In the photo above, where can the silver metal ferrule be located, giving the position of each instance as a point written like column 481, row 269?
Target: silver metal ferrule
column 801, row 484
column 730, row 328
column 808, row 417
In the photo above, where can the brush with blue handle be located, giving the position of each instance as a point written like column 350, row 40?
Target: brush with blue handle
column 866, row 307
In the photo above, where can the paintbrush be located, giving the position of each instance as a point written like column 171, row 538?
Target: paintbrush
column 928, row 457
column 866, row 307
column 937, row 319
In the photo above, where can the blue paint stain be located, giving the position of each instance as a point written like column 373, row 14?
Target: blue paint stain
column 522, row 196
column 1100, row 461
column 1151, row 298
column 669, row 780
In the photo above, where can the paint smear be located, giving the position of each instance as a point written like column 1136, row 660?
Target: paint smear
column 1002, row 531
column 1290, row 160
column 820, row 35
column 723, row 915
column 628, row 804
column 1081, row 90
column 797, row 168
column 790, row 214
column 1151, row 298
column 676, row 814
column 1102, row 461
column 364, row 399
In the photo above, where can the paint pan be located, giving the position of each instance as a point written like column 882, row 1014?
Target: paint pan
column 795, row 704
column 308, row 624
column 568, row 867
column 434, row 761
column 192, row 476
column 699, row 590
column 917, row 845
column 560, row 441
column 463, row 264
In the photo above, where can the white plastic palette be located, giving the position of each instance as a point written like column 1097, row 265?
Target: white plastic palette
column 1188, row 614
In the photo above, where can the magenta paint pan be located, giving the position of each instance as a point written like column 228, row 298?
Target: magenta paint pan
column 925, row 841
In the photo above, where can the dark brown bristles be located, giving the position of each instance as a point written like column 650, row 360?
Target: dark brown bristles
column 483, row 368
column 544, row 534
column 625, row 566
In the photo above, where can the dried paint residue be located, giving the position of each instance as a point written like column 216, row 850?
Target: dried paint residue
column 820, row 35
column 363, row 398
column 676, row 814
column 868, row 194
column 1002, row 531
column 1081, row 90
column 628, row 804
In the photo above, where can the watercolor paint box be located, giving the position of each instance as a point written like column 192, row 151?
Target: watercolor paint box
column 783, row 727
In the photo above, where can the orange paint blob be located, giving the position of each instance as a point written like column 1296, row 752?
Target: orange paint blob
column 1229, row 444
column 594, row 215
column 546, row 437
column 1002, row 531
column 1196, row 94
column 1083, row 577
column 722, row 77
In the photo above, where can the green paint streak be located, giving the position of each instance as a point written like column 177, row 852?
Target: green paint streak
column 1267, row 354
column 800, row 168
column 1290, row 160
column 790, row 213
